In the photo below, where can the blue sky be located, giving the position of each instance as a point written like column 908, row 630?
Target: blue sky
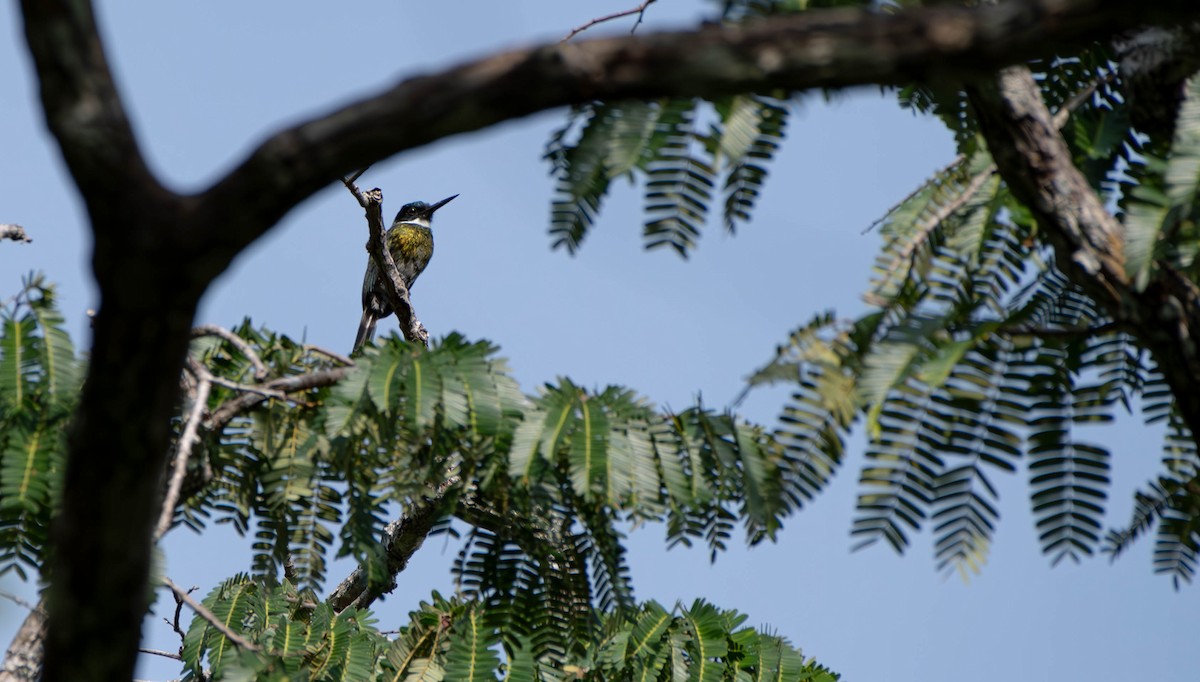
column 206, row 81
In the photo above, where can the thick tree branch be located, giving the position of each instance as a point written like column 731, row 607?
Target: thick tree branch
column 79, row 96
column 811, row 50
column 1088, row 241
column 402, row 538
column 23, row 659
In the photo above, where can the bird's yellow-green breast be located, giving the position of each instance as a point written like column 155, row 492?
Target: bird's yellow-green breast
column 412, row 247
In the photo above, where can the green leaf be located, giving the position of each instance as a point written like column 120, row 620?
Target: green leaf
column 472, row 656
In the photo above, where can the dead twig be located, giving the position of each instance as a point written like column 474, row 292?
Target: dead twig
column 183, row 448
column 209, row 617
column 246, row 388
column 336, row 357
column 158, row 652
column 260, row 369
column 640, row 11
column 20, row 602
column 235, row 406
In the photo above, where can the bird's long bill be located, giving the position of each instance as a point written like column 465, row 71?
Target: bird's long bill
column 429, row 211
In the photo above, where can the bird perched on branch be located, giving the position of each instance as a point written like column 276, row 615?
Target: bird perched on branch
column 410, row 242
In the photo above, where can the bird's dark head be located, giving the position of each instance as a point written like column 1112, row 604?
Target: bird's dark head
column 419, row 212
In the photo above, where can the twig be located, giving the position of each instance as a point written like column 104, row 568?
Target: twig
column 640, row 11
column 20, row 602
column 260, row 369
column 178, row 611
column 13, row 232
column 183, row 449
column 332, row 355
column 209, row 617
column 246, row 388
column 157, row 652
column 350, row 181
column 358, row 193
column 235, row 406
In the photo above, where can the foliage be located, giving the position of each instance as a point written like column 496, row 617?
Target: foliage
column 682, row 149
column 978, row 353
column 546, row 483
column 546, row 486
column 456, row 639
column 39, row 382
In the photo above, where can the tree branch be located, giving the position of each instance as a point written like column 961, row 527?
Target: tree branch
column 402, row 538
column 260, row 369
column 640, row 11
column 23, row 660
column 301, row 382
column 158, row 652
column 183, row 449
column 209, row 617
column 80, row 99
column 1088, row 242
column 816, row 49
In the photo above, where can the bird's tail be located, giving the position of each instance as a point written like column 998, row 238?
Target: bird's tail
column 366, row 330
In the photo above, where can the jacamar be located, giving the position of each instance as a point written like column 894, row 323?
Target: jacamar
column 410, row 242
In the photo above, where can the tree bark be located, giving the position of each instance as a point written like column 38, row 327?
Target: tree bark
column 23, row 660
column 1088, row 244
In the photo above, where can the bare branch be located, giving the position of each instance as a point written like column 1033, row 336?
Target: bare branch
column 260, row 369
column 1088, row 241
column 208, row 616
column 303, row 382
column 640, row 11
column 23, row 660
column 332, row 355
column 157, row 652
column 402, row 538
column 13, row 232
column 178, row 612
column 183, row 449
column 28, row 606
column 246, row 388
column 350, row 180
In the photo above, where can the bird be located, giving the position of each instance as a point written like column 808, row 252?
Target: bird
column 410, row 241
